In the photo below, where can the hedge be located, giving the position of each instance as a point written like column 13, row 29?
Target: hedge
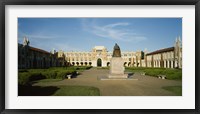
column 172, row 74
column 25, row 77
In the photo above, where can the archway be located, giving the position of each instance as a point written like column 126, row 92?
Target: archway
column 125, row 63
column 129, row 64
column 99, row 62
column 108, row 63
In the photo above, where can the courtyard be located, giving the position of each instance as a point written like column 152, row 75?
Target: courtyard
column 140, row 85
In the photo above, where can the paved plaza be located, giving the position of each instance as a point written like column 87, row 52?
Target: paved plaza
column 144, row 86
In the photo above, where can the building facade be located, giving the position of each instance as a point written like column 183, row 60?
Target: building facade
column 31, row 57
column 165, row 58
column 99, row 56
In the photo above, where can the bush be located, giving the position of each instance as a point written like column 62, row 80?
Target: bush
column 89, row 67
column 63, row 74
column 25, row 78
column 50, row 74
column 79, row 67
column 172, row 74
column 36, row 76
column 23, row 70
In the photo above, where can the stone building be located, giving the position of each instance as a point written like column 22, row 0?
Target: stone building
column 99, row 56
column 165, row 58
column 31, row 57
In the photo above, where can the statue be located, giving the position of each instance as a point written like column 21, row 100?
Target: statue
column 116, row 51
column 26, row 42
column 117, row 64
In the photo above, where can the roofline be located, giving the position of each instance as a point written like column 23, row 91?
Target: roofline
column 39, row 50
column 36, row 49
column 161, row 51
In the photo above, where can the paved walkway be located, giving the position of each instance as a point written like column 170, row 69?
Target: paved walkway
column 144, row 86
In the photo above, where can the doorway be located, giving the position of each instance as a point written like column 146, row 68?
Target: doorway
column 99, row 62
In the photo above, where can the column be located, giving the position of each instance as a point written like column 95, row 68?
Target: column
column 172, row 64
column 168, row 64
column 164, row 64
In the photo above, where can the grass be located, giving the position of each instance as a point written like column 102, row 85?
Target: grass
column 174, row 89
column 77, row 91
column 171, row 74
column 28, row 90
column 26, row 76
column 102, row 67
column 48, row 80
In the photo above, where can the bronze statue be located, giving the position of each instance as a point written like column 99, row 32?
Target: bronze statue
column 116, row 51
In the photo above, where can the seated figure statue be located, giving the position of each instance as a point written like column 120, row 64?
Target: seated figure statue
column 116, row 51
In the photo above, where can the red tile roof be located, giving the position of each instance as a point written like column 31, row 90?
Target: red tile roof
column 161, row 51
column 38, row 50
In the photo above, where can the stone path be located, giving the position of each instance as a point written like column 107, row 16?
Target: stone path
column 144, row 86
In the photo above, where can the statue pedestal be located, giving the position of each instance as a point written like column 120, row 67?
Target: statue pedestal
column 117, row 68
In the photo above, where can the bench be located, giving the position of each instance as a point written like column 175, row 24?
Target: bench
column 162, row 76
column 69, row 76
column 142, row 73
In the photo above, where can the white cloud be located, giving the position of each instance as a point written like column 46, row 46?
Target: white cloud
column 41, row 36
column 36, row 36
column 115, row 31
column 65, row 47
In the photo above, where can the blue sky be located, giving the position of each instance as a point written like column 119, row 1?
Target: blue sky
column 82, row 34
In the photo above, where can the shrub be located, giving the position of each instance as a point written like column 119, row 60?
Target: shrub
column 36, row 76
column 25, row 78
column 172, row 74
column 23, row 70
column 62, row 74
column 50, row 74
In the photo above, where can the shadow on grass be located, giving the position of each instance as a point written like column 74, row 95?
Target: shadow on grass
column 29, row 90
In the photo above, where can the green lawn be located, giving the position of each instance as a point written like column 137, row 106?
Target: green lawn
column 48, row 80
column 77, row 91
column 171, row 74
column 174, row 89
column 26, row 77
column 28, row 90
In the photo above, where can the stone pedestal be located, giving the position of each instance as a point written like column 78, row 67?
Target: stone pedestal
column 117, row 68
